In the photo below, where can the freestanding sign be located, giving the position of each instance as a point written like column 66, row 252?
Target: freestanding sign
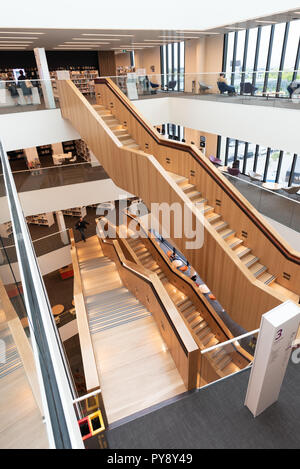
column 131, row 86
column 278, row 329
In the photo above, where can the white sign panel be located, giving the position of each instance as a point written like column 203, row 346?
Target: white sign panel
column 278, row 329
column 131, row 86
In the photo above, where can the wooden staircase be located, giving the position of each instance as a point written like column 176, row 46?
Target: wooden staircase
column 243, row 252
column 116, row 127
column 204, row 335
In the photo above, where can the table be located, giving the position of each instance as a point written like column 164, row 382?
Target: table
column 57, row 310
column 273, row 186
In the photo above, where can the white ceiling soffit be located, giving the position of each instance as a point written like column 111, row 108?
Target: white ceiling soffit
column 99, row 25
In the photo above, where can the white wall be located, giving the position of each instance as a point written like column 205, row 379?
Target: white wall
column 119, row 14
column 264, row 125
column 32, row 129
column 64, row 197
column 48, row 263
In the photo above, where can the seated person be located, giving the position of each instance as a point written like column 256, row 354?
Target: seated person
column 293, row 86
column 223, row 85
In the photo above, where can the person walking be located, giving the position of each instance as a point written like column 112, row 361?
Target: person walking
column 81, row 226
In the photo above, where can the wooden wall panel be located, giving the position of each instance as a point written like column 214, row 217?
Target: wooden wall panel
column 245, row 298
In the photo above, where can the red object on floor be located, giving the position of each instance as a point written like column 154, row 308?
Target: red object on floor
column 212, row 297
column 66, row 272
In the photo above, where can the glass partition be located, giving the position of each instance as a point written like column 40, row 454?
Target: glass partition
column 32, row 360
column 54, row 176
column 285, row 210
column 27, row 95
column 226, row 358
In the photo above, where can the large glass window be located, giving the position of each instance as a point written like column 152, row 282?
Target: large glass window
column 277, row 45
column 172, row 64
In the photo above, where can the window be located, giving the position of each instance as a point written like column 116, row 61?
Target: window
column 275, row 45
column 172, row 64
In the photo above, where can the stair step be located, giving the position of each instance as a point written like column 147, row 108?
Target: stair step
column 249, row 260
column 224, row 362
column 204, row 331
column 188, row 187
column 199, row 201
column 124, row 137
column 267, row 278
column 218, row 354
column 98, row 106
column 120, row 132
column 207, row 338
column 185, row 305
column 192, row 316
column 243, row 251
column 235, row 242
column 181, row 302
column 195, row 322
column 258, row 269
column 227, row 233
column 177, row 178
column 132, row 145
column 200, row 326
column 188, row 311
column 207, row 209
column 220, row 225
column 104, row 112
column 213, row 217
column 193, row 194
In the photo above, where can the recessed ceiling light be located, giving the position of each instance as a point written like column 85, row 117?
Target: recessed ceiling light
column 19, row 32
column 85, row 43
column 179, row 37
column 265, row 21
column 196, row 32
column 96, row 40
column 12, row 47
column 233, row 27
column 107, row 35
column 162, row 41
column 83, row 39
column 20, row 37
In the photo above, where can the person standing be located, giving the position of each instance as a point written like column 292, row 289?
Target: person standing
column 25, row 86
column 81, row 226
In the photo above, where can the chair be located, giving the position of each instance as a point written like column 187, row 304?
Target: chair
column 203, row 87
column 291, row 189
column 254, row 176
column 247, row 88
column 222, row 87
column 170, row 86
column 233, row 171
column 154, row 87
column 215, row 160
column 72, row 160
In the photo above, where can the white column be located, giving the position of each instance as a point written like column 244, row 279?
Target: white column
column 62, row 227
column 42, row 65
